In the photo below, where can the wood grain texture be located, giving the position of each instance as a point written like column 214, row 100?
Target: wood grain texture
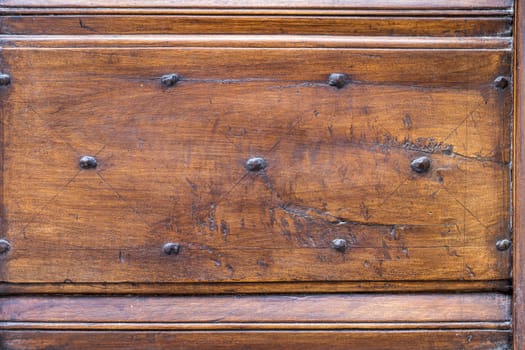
column 519, row 180
column 324, row 25
column 257, row 41
column 375, row 4
column 289, row 340
column 357, row 308
column 504, row 286
column 251, row 326
column 163, row 11
column 171, row 165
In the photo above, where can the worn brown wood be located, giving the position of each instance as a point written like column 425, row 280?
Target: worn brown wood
column 289, row 340
column 324, row 25
column 258, row 41
column 519, row 180
column 414, row 78
column 171, row 165
column 251, row 326
column 254, row 4
column 480, row 13
column 504, row 286
column 342, row 308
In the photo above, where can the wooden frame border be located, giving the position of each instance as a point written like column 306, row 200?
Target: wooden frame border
column 519, row 179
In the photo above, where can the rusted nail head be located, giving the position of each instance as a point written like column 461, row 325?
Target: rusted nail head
column 169, row 79
column 255, row 164
column 5, row 79
column 87, row 162
column 171, row 248
column 338, row 80
column 501, row 82
column 421, row 164
column 339, row 244
column 503, row 244
column 4, row 246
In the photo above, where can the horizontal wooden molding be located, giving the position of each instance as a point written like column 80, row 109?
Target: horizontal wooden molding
column 253, row 288
column 255, row 4
column 452, row 12
column 257, row 340
column 88, row 24
column 256, row 41
column 277, row 309
column 247, row 326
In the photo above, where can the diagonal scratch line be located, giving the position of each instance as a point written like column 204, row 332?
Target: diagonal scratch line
column 61, row 190
column 134, row 210
column 225, row 195
column 469, row 211
column 55, row 196
column 288, row 132
column 469, row 115
column 237, row 147
column 392, row 193
column 100, row 150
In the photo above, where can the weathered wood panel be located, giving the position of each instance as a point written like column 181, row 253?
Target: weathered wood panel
column 178, row 288
column 324, row 25
column 289, row 340
column 254, row 4
column 357, row 308
column 172, row 165
column 519, row 180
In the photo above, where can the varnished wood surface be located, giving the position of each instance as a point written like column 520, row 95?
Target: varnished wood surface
column 519, row 181
column 254, row 4
column 407, row 13
column 260, row 41
column 251, row 326
column 289, row 340
column 323, row 25
column 253, row 288
column 171, row 168
column 342, row 308
column 171, row 165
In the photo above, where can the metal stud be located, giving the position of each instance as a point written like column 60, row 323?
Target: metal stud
column 421, row 164
column 171, row 248
column 503, row 244
column 87, row 162
column 255, row 164
column 169, row 79
column 5, row 79
column 338, row 80
column 339, row 244
column 4, row 246
column 501, row 82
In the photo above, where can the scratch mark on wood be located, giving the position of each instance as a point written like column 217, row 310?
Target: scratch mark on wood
column 470, row 271
column 386, row 249
column 124, row 201
column 363, row 211
column 83, row 26
column 225, row 229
